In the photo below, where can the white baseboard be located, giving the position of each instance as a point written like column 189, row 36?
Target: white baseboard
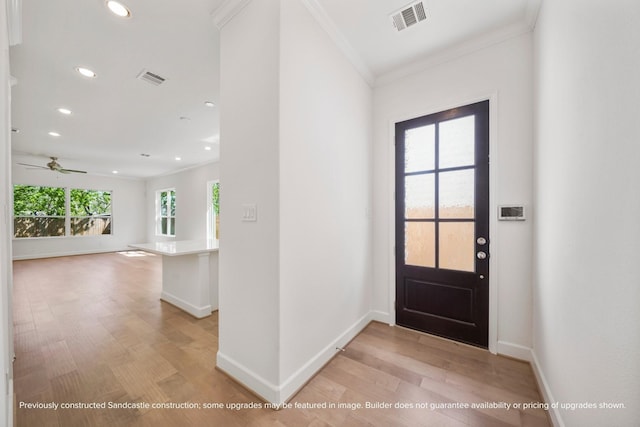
column 515, row 351
column 299, row 378
column 245, row 376
column 527, row 354
column 279, row 394
column 554, row 413
column 197, row 312
column 382, row 317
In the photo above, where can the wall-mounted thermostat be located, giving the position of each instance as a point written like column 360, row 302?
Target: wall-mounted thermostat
column 511, row 213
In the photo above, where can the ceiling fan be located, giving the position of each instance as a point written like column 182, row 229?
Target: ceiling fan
column 54, row 166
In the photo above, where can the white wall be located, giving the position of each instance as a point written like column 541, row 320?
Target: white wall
column 325, row 196
column 249, row 333
column 191, row 201
column 503, row 73
column 295, row 131
column 587, row 252
column 128, row 215
column 6, row 274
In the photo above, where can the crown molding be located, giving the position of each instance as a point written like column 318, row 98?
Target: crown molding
column 453, row 52
column 327, row 24
column 14, row 21
column 226, row 11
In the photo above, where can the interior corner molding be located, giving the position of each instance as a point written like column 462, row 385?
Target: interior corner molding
column 14, row 18
column 531, row 14
column 321, row 16
column 226, row 11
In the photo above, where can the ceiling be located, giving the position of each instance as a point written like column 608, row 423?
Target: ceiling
column 117, row 117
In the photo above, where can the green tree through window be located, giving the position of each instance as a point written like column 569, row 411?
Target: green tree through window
column 42, row 211
column 90, row 212
column 38, row 211
column 166, row 202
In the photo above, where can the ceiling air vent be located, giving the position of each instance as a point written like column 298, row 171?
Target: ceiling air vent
column 409, row 15
column 149, row 77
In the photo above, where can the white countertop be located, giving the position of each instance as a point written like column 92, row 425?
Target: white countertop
column 178, row 247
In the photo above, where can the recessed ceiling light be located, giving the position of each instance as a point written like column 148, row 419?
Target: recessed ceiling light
column 114, row 172
column 209, row 104
column 178, row 158
column 208, row 148
column 119, row 9
column 86, row 72
column 52, row 133
column 64, row 111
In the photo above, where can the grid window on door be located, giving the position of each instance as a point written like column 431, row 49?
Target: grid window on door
column 439, row 196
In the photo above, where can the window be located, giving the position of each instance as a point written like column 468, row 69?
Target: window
column 38, row 211
column 44, row 212
column 213, row 211
column 90, row 212
column 166, row 212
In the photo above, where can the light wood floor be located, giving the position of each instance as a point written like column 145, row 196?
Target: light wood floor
column 91, row 329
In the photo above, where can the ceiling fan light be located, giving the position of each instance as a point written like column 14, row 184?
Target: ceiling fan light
column 118, row 9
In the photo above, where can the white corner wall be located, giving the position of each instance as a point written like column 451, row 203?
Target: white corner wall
column 503, row 74
column 295, row 126
column 192, row 200
column 586, row 317
column 325, row 197
column 128, row 215
column 249, row 333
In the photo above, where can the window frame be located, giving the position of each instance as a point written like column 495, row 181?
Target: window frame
column 66, row 217
column 168, row 216
column 213, row 230
column 70, row 217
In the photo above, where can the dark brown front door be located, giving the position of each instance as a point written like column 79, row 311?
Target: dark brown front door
column 442, row 223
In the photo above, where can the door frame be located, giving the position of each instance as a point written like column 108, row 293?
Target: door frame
column 493, row 220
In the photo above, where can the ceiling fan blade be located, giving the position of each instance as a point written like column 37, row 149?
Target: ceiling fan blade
column 34, row 166
column 70, row 171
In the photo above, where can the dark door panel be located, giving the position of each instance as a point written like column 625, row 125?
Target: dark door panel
column 442, row 223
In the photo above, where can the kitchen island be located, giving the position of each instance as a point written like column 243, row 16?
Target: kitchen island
column 189, row 274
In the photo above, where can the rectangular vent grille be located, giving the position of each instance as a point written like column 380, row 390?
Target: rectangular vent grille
column 151, row 78
column 408, row 16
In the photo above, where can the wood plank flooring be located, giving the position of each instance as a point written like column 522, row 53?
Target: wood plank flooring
column 90, row 330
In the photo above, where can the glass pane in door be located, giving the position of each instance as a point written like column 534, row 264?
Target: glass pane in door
column 419, row 196
column 457, row 248
column 419, row 151
column 420, row 244
column 457, row 194
column 457, row 143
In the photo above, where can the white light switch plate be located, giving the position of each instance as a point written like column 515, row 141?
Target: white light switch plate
column 249, row 212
